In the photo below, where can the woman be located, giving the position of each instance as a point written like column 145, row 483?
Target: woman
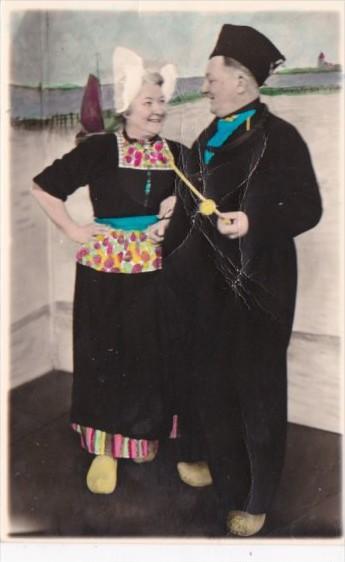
column 121, row 402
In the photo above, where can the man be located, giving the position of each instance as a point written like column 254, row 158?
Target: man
column 235, row 279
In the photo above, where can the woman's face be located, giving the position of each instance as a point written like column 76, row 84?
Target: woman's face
column 146, row 113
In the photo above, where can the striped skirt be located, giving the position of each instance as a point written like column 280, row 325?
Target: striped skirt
column 99, row 442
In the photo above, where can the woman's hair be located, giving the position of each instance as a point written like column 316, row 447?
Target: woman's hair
column 150, row 77
column 153, row 77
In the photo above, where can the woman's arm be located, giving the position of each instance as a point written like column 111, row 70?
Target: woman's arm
column 56, row 210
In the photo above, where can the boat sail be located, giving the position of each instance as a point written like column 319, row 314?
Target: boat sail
column 91, row 114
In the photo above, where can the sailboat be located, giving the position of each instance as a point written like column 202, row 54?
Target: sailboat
column 91, row 114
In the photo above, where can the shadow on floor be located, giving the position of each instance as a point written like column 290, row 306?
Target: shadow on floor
column 48, row 495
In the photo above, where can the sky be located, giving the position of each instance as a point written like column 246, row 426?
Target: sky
column 57, row 47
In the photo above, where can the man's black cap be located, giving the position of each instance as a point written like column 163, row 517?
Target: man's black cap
column 250, row 48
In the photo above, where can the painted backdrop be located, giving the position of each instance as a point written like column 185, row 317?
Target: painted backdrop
column 51, row 55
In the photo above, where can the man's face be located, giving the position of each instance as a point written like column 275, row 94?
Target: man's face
column 221, row 87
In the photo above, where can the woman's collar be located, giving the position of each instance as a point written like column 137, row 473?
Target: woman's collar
column 140, row 141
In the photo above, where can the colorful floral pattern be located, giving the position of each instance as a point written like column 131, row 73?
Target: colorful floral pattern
column 143, row 156
column 121, row 251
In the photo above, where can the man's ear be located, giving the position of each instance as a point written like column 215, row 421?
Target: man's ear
column 242, row 83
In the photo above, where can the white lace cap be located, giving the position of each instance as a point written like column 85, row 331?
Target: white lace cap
column 169, row 75
column 129, row 70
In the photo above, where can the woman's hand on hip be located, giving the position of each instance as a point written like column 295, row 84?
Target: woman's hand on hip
column 83, row 233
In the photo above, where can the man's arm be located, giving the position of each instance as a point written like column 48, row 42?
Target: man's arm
column 282, row 199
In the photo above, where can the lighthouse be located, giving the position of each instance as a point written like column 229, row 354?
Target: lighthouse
column 321, row 61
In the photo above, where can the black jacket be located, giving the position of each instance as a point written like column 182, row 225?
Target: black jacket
column 267, row 173
column 236, row 300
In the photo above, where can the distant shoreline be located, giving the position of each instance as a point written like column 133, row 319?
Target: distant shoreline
column 309, row 70
column 111, row 119
column 60, row 104
column 284, row 71
column 298, row 90
column 268, row 91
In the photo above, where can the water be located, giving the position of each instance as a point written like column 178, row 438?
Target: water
column 316, row 79
column 31, row 103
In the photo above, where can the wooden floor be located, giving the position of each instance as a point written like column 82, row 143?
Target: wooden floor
column 48, row 496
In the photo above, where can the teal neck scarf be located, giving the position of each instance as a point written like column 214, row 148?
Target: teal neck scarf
column 225, row 129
